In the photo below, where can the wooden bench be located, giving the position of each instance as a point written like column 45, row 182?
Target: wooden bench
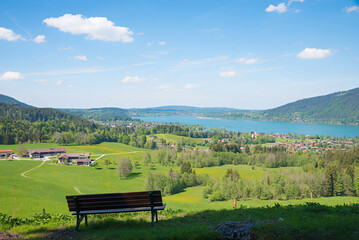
column 82, row 205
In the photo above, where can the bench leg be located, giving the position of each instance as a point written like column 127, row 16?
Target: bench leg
column 86, row 220
column 156, row 216
column 79, row 220
column 152, row 217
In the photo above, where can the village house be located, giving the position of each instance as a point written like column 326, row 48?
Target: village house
column 5, row 153
column 81, row 159
column 45, row 152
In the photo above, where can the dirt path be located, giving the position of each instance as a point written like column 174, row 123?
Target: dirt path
column 77, row 190
column 23, row 174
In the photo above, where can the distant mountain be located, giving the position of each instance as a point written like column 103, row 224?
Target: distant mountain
column 335, row 108
column 12, row 101
column 99, row 114
column 113, row 114
column 191, row 109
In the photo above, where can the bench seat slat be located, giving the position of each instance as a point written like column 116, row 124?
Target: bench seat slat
column 120, row 210
column 120, row 201
column 106, row 195
column 146, row 198
column 114, row 206
column 83, row 198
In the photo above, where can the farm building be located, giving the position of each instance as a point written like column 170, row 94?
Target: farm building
column 83, row 162
column 5, row 153
column 45, row 152
column 79, row 158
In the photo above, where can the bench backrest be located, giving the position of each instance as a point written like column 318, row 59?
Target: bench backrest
column 114, row 200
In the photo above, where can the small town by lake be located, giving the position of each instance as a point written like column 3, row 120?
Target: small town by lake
column 260, row 126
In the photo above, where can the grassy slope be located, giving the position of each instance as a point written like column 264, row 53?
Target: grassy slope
column 244, row 171
column 107, row 147
column 298, row 222
column 174, row 138
column 48, row 185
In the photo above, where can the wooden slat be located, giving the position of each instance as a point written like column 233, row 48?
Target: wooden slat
column 120, row 210
column 104, row 195
column 84, row 204
column 115, row 201
column 114, row 206
column 109, row 199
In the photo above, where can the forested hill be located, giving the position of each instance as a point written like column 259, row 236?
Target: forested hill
column 99, row 114
column 13, row 101
column 335, row 108
column 29, row 124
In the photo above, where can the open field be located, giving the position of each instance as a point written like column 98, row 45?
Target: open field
column 47, row 186
column 102, row 148
column 174, row 138
column 244, row 171
column 192, row 198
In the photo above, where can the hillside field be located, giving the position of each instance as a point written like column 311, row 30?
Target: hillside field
column 47, row 186
column 175, row 139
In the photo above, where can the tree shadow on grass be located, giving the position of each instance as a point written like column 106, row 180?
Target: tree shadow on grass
column 133, row 175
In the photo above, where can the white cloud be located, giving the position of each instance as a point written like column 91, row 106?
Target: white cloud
column 247, row 61
column 291, row 1
column 191, row 85
column 149, row 44
column 162, row 43
column 73, row 71
column 9, row 35
column 58, row 83
column 11, row 76
column 228, row 74
column 70, row 86
column 69, row 48
column 352, row 9
column 81, row 58
column 96, row 28
column 40, row 39
column 99, row 57
column 315, row 53
column 280, row 8
column 135, row 79
column 163, row 87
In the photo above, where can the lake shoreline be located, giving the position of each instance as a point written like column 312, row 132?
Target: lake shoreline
column 260, row 126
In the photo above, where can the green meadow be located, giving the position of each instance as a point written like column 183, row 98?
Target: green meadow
column 46, row 187
column 174, row 138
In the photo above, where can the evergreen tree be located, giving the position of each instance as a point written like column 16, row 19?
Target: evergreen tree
column 247, row 149
column 330, row 175
column 339, row 186
column 186, row 168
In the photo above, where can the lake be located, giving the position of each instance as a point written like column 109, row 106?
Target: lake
column 259, row 126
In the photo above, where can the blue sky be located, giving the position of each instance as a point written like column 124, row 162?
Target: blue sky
column 244, row 54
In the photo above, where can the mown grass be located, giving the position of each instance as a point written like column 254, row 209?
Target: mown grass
column 245, row 171
column 102, row 148
column 306, row 221
column 174, row 138
column 48, row 185
column 15, row 147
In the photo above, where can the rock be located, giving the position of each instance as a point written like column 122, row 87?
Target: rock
column 236, row 230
